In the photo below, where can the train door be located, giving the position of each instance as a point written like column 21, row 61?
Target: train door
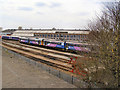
column 42, row 42
column 65, row 45
column 38, row 42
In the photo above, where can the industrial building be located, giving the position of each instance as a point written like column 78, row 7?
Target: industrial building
column 57, row 34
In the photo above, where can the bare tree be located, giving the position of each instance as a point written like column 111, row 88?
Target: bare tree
column 105, row 35
column 103, row 66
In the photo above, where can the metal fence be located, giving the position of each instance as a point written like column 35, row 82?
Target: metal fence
column 68, row 78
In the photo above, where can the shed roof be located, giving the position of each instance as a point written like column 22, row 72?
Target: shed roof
column 51, row 31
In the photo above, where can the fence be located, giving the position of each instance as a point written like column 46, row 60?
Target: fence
column 68, row 78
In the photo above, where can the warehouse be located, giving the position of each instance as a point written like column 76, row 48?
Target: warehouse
column 57, row 34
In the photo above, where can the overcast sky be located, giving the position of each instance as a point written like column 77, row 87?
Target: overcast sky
column 48, row 13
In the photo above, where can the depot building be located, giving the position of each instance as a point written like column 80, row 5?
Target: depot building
column 57, row 34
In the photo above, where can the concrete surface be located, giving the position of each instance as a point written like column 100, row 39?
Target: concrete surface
column 16, row 73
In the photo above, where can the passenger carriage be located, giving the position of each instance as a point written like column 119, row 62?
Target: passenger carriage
column 16, row 38
column 24, row 40
column 11, row 38
column 54, row 44
column 77, row 46
column 34, row 41
column 51, row 43
column 6, row 37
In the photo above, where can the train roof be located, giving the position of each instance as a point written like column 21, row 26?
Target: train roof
column 77, row 43
column 23, row 37
column 33, row 38
column 14, row 36
column 52, row 40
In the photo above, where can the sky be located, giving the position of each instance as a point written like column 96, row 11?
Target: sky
column 61, row 14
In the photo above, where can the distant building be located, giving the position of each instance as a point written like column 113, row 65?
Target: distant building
column 1, row 29
column 57, row 34
column 8, row 31
column 20, row 28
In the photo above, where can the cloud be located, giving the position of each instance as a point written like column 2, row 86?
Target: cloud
column 48, row 13
column 40, row 13
column 40, row 4
column 83, row 13
column 1, row 2
column 55, row 5
column 25, row 8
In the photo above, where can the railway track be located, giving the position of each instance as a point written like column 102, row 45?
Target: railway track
column 67, row 54
column 38, row 52
column 57, row 61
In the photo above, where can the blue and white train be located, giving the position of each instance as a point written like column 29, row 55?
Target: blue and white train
column 51, row 43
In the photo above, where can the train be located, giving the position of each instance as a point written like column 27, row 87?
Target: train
column 63, row 45
column 10, row 38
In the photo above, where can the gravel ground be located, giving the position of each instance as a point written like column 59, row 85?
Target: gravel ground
column 16, row 73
